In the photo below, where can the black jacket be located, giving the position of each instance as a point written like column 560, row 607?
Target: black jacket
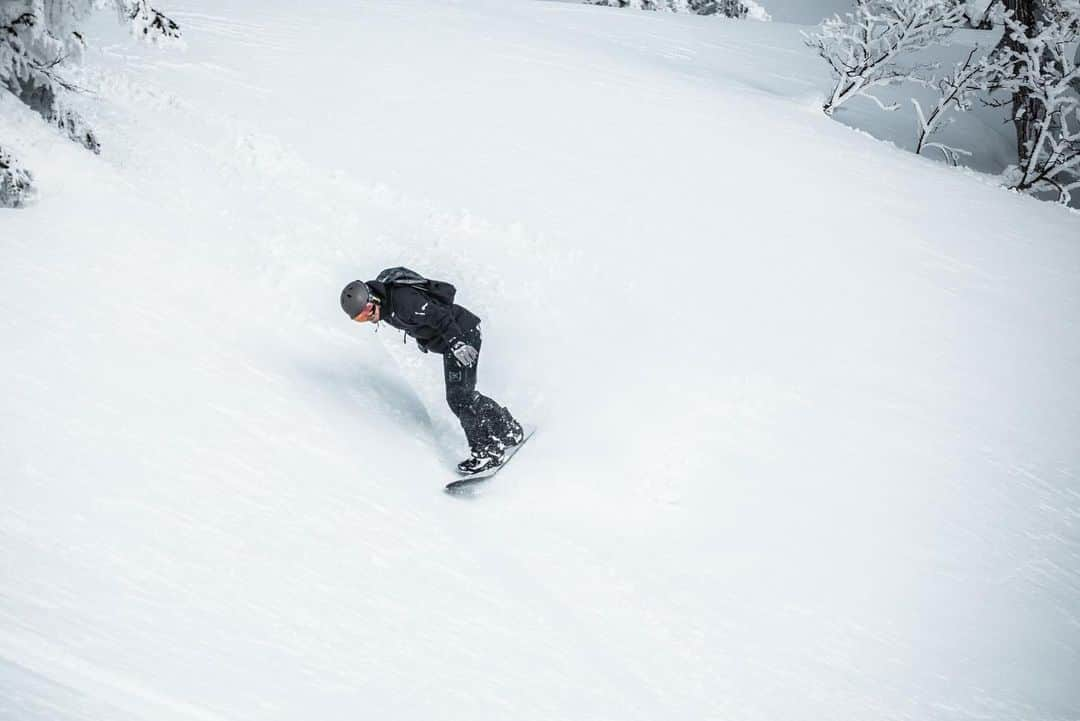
column 433, row 324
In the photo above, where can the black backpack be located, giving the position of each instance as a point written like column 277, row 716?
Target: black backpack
column 439, row 290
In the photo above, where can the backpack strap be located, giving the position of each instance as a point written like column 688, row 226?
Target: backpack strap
column 439, row 290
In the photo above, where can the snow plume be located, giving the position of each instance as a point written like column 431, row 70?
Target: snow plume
column 16, row 183
column 862, row 47
column 726, row 8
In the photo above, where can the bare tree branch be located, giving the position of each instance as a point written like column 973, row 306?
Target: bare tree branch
column 863, row 46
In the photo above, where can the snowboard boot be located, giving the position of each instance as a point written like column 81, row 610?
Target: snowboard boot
column 513, row 432
column 482, row 459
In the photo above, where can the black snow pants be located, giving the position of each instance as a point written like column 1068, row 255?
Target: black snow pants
column 481, row 418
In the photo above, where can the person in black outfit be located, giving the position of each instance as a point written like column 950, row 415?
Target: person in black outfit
column 452, row 331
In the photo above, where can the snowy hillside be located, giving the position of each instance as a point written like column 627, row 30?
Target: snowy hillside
column 805, row 12
column 808, row 404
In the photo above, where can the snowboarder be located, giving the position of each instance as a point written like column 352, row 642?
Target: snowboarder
column 425, row 310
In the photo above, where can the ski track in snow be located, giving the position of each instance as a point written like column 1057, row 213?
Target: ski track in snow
column 807, row 434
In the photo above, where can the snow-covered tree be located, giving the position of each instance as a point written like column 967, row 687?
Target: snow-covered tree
column 1024, row 20
column 727, row 8
column 147, row 22
column 862, row 47
column 39, row 38
column 31, row 55
column 1037, row 67
column 16, row 183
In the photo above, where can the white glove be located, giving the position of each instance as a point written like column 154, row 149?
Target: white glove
column 465, row 354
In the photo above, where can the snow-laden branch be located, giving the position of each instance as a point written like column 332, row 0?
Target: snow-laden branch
column 862, row 47
column 955, row 92
column 31, row 56
column 149, row 23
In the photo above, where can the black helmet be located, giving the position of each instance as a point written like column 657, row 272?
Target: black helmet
column 354, row 297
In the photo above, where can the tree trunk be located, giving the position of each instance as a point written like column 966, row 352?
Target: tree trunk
column 1027, row 113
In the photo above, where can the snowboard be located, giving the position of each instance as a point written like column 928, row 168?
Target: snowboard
column 471, row 482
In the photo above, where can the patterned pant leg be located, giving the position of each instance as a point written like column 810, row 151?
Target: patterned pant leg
column 481, row 418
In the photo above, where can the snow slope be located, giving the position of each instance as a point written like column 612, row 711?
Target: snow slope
column 806, row 12
column 808, row 404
